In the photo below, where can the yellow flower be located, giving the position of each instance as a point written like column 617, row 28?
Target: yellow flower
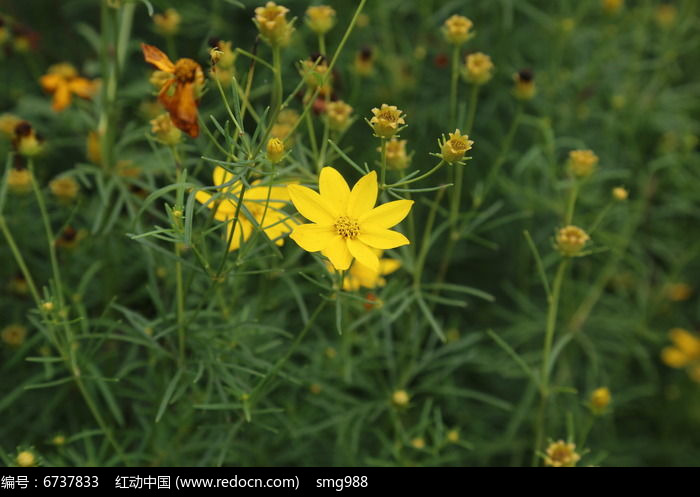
column 666, row 15
column 272, row 23
column 600, row 400
column 313, row 70
column 478, row 68
column 678, row 292
column 685, row 351
column 167, row 23
column 275, row 150
column 14, row 335
column 418, row 443
column 582, row 162
column 62, row 81
column 320, row 18
column 453, row 150
column 360, row 275
column 19, row 180
column 26, row 141
column 364, row 62
column 268, row 215
column 453, row 436
column 344, row 223
column 8, row 123
column 396, row 157
column 94, row 148
column 222, row 58
column 286, row 121
column 400, row 398
column 386, row 120
column 570, row 240
column 26, row 459
column 457, row 29
column 619, row 193
column 561, row 455
column 64, row 188
column 612, row 6
column 165, row 130
column 524, row 85
column 338, row 115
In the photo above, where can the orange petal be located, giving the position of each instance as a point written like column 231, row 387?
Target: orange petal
column 82, row 87
column 61, row 97
column 182, row 107
column 155, row 56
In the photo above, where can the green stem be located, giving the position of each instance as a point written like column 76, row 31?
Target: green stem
column 453, row 86
column 571, row 204
column 322, row 44
column 20, row 261
column 502, row 155
column 383, row 173
column 422, row 176
column 425, row 245
column 277, row 89
column 179, row 282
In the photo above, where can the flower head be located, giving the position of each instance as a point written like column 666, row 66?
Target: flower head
column 684, row 353
column 582, row 163
column 620, row 193
column 561, row 455
column 678, row 292
column 272, row 23
column 8, row 123
column 314, row 70
column 62, row 81
column 19, row 179
column 524, row 84
column 26, row 459
column 600, row 400
column 26, row 141
column 396, row 156
column 320, row 18
column 453, row 150
column 478, row 68
column 13, row 335
column 570, row 240
column 179, row 94
column 360, row 275
column 165, row 130
column 665, row 15
column 64, row 188
column 364, row 62
column 263, row 207
column 275, row 150
column 167, row 23
column 338, row 114
column 612, row 6
column 457, row 29
column 386, row 121
column 400, row 398
column 345, row 224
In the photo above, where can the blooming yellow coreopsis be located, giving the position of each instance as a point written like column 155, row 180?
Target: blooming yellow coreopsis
column 344, row 223
column 263, row 204
column 360, row 275
column 62, row 81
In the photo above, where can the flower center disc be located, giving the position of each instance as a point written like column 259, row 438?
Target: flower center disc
column 185, row 70
column 347, row 227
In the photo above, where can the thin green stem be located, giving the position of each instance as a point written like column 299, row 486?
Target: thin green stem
column 418, row 178
column 20, row 261
column 571, row 203
column 383, row 172
column 453, row 86
column 425, row 244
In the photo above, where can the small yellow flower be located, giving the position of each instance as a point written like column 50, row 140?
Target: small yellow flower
column 330, row 352
column 272, row 23
column 8, row 123
column 561, row 455
column 364, row 62
column 386, row 121
column 338, row 114
column 457, row 29
column 400, row 398
column 418, row 443
column 524, row 85
column 70, row 238
column 396, row 156
column 685, row 351
column 320, row 18
column 26, row 459
column 570, row 240
column 19, row 180
column 47, row 306
column 26, row 141
column 665, row 15
column 360, row 275
column 345, row 224
column 263, row 204
column 13, row 335
column 620, row 194
column 275, row 150
column 313, row 70
column 65, row 188
column 167, row 23
column 453, row 150
column 600, row 400
column 612, row 6
column 164, row 129
column 59, row 440
column 582, row 163
column 62, row 81
column 678, row 292
column 93, row 148
column 453, row 436
column 478, row 68
column 315, row 388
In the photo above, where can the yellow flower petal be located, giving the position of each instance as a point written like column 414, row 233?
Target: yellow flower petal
column 388, row 266
column 311, row 205
column 363, row 195
column 278, row 196
column 221, row 176
column 363, row 254
column 387, row 215
column 225, row 209
column 337, row 251
column 382, row 238
column 242, row 232
column 275, row 225
column 334, row 189
column 314, row 237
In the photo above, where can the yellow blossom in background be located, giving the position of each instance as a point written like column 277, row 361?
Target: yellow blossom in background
column 272, row 23
column 582, row 163
column 338, row 114
column 612, row 6
column 26, row 459
column 8, row 123
column 18, row 285
column 524, row 85
column 561, row 455
column 600, row 400
column 64, row 188
column 359, row 275
column 313, row 70
column 167, row 23
column 70, row 238
column 684, row 353
column 19, row 180
column 62, row 81
column 165, row 131
column 478, row 68
column 453, row 436
column 93, row 148
column 345, row 224
column 678, row 292
column 363, row 20
column 453, row 149
column 619, row 193
column 396, row 157
column 457, row 29
column 223, row 63
column 418, row 443
column 263, row 204
column 364, row 62
column 26, row 141
column 59, row 440
column 571, row 240
column 275, row 150
column 400, row 398
column 320, row 18
column 13, row 335
column 386, row 121
column 286, row 121
column 665, row 15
